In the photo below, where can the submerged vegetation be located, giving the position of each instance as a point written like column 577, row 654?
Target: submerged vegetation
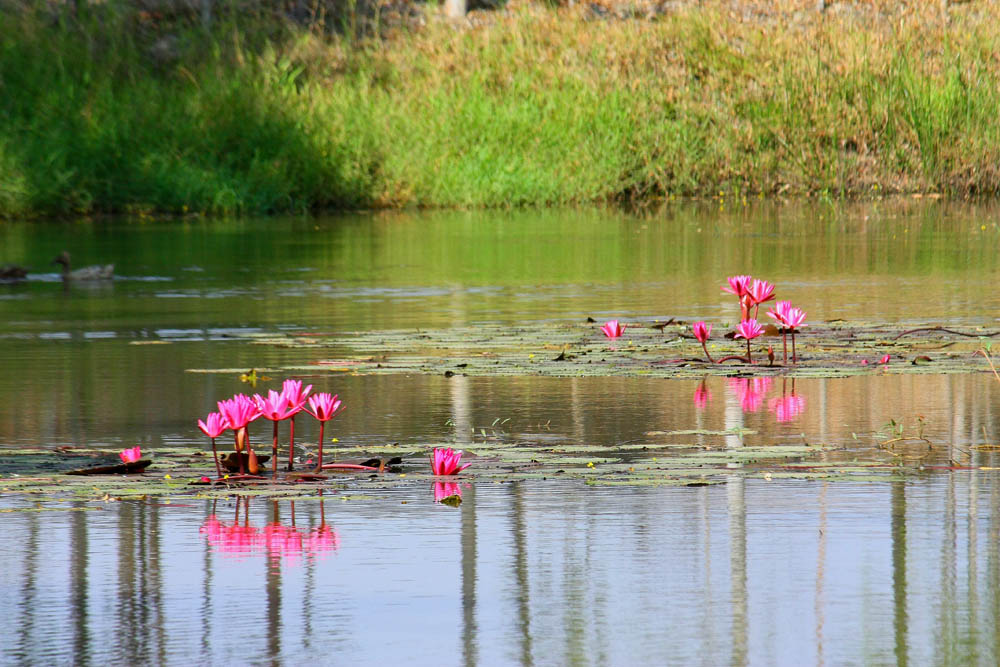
column 117, row 109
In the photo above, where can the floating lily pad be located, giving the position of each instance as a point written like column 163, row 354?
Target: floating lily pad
column 131, row 468
column 833, row 349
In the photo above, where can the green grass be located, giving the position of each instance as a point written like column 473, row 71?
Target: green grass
column 539, row 106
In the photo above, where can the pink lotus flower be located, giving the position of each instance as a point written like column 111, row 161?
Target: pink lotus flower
column 749, row 329
column 790, row 319
column 794, row 318
column 130, row 455
column 864, row 362
column 446, row 461
column 761, row 291
column 702, row 331
column 239, row 411
column 296, row 396
column 738, row 285
column 787, row 408
column 885, row 360
column 779, row 311
column 612, row 329
column 292, row 390
column 324, row 407
column 213, row 426
column 276, row 407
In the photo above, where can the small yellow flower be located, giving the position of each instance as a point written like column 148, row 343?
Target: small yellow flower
column 590, row 464
column 167, row 477
column 335, row 440
column 531, row 356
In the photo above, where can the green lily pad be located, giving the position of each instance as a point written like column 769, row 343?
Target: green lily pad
column 834, row 349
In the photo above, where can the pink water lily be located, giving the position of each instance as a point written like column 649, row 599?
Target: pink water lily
column 213, row 426
column 794, row 318
column 701, row 332
column 276, row 407
column 239, row 411
column 885, row 360
column 130, row 455
column 612, row 329
column 749, row 329
column 324, row 407
column 296, row 395
column 738, row 285
column 447, row 461
column 779, row 314
column 761, row 291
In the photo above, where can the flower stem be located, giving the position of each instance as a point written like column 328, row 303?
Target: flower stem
column 704, row 347
column 239, row 452
column 795, row 358
column 319, row 458
column 784, row 343
column 291, row 444
column 749, row 357
column 733, row 357
column 274, row 451
column 215, row 455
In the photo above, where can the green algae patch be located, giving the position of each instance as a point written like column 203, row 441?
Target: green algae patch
column 832, row 349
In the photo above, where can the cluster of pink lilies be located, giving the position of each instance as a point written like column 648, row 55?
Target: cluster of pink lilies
column 238, row 412
column 752, row 293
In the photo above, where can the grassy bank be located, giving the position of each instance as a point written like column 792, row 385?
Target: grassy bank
column 533, row 105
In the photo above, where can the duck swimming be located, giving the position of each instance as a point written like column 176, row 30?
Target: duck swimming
column 96, row 272
column 12, row 272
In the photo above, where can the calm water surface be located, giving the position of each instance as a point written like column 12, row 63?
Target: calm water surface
column 747, row 572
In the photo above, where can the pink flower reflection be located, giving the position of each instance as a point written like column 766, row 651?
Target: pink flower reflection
column 787, row 408
column 282, row 542
column 702, row 396
column 276, row 540
column 444, row 490
column 322, row 538
column 750, row 391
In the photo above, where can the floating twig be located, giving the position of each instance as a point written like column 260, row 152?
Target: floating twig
column 951, row 331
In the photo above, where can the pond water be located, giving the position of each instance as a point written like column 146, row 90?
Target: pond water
column 748, row 570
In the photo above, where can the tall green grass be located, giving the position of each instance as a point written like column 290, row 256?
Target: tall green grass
column 540, row 106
